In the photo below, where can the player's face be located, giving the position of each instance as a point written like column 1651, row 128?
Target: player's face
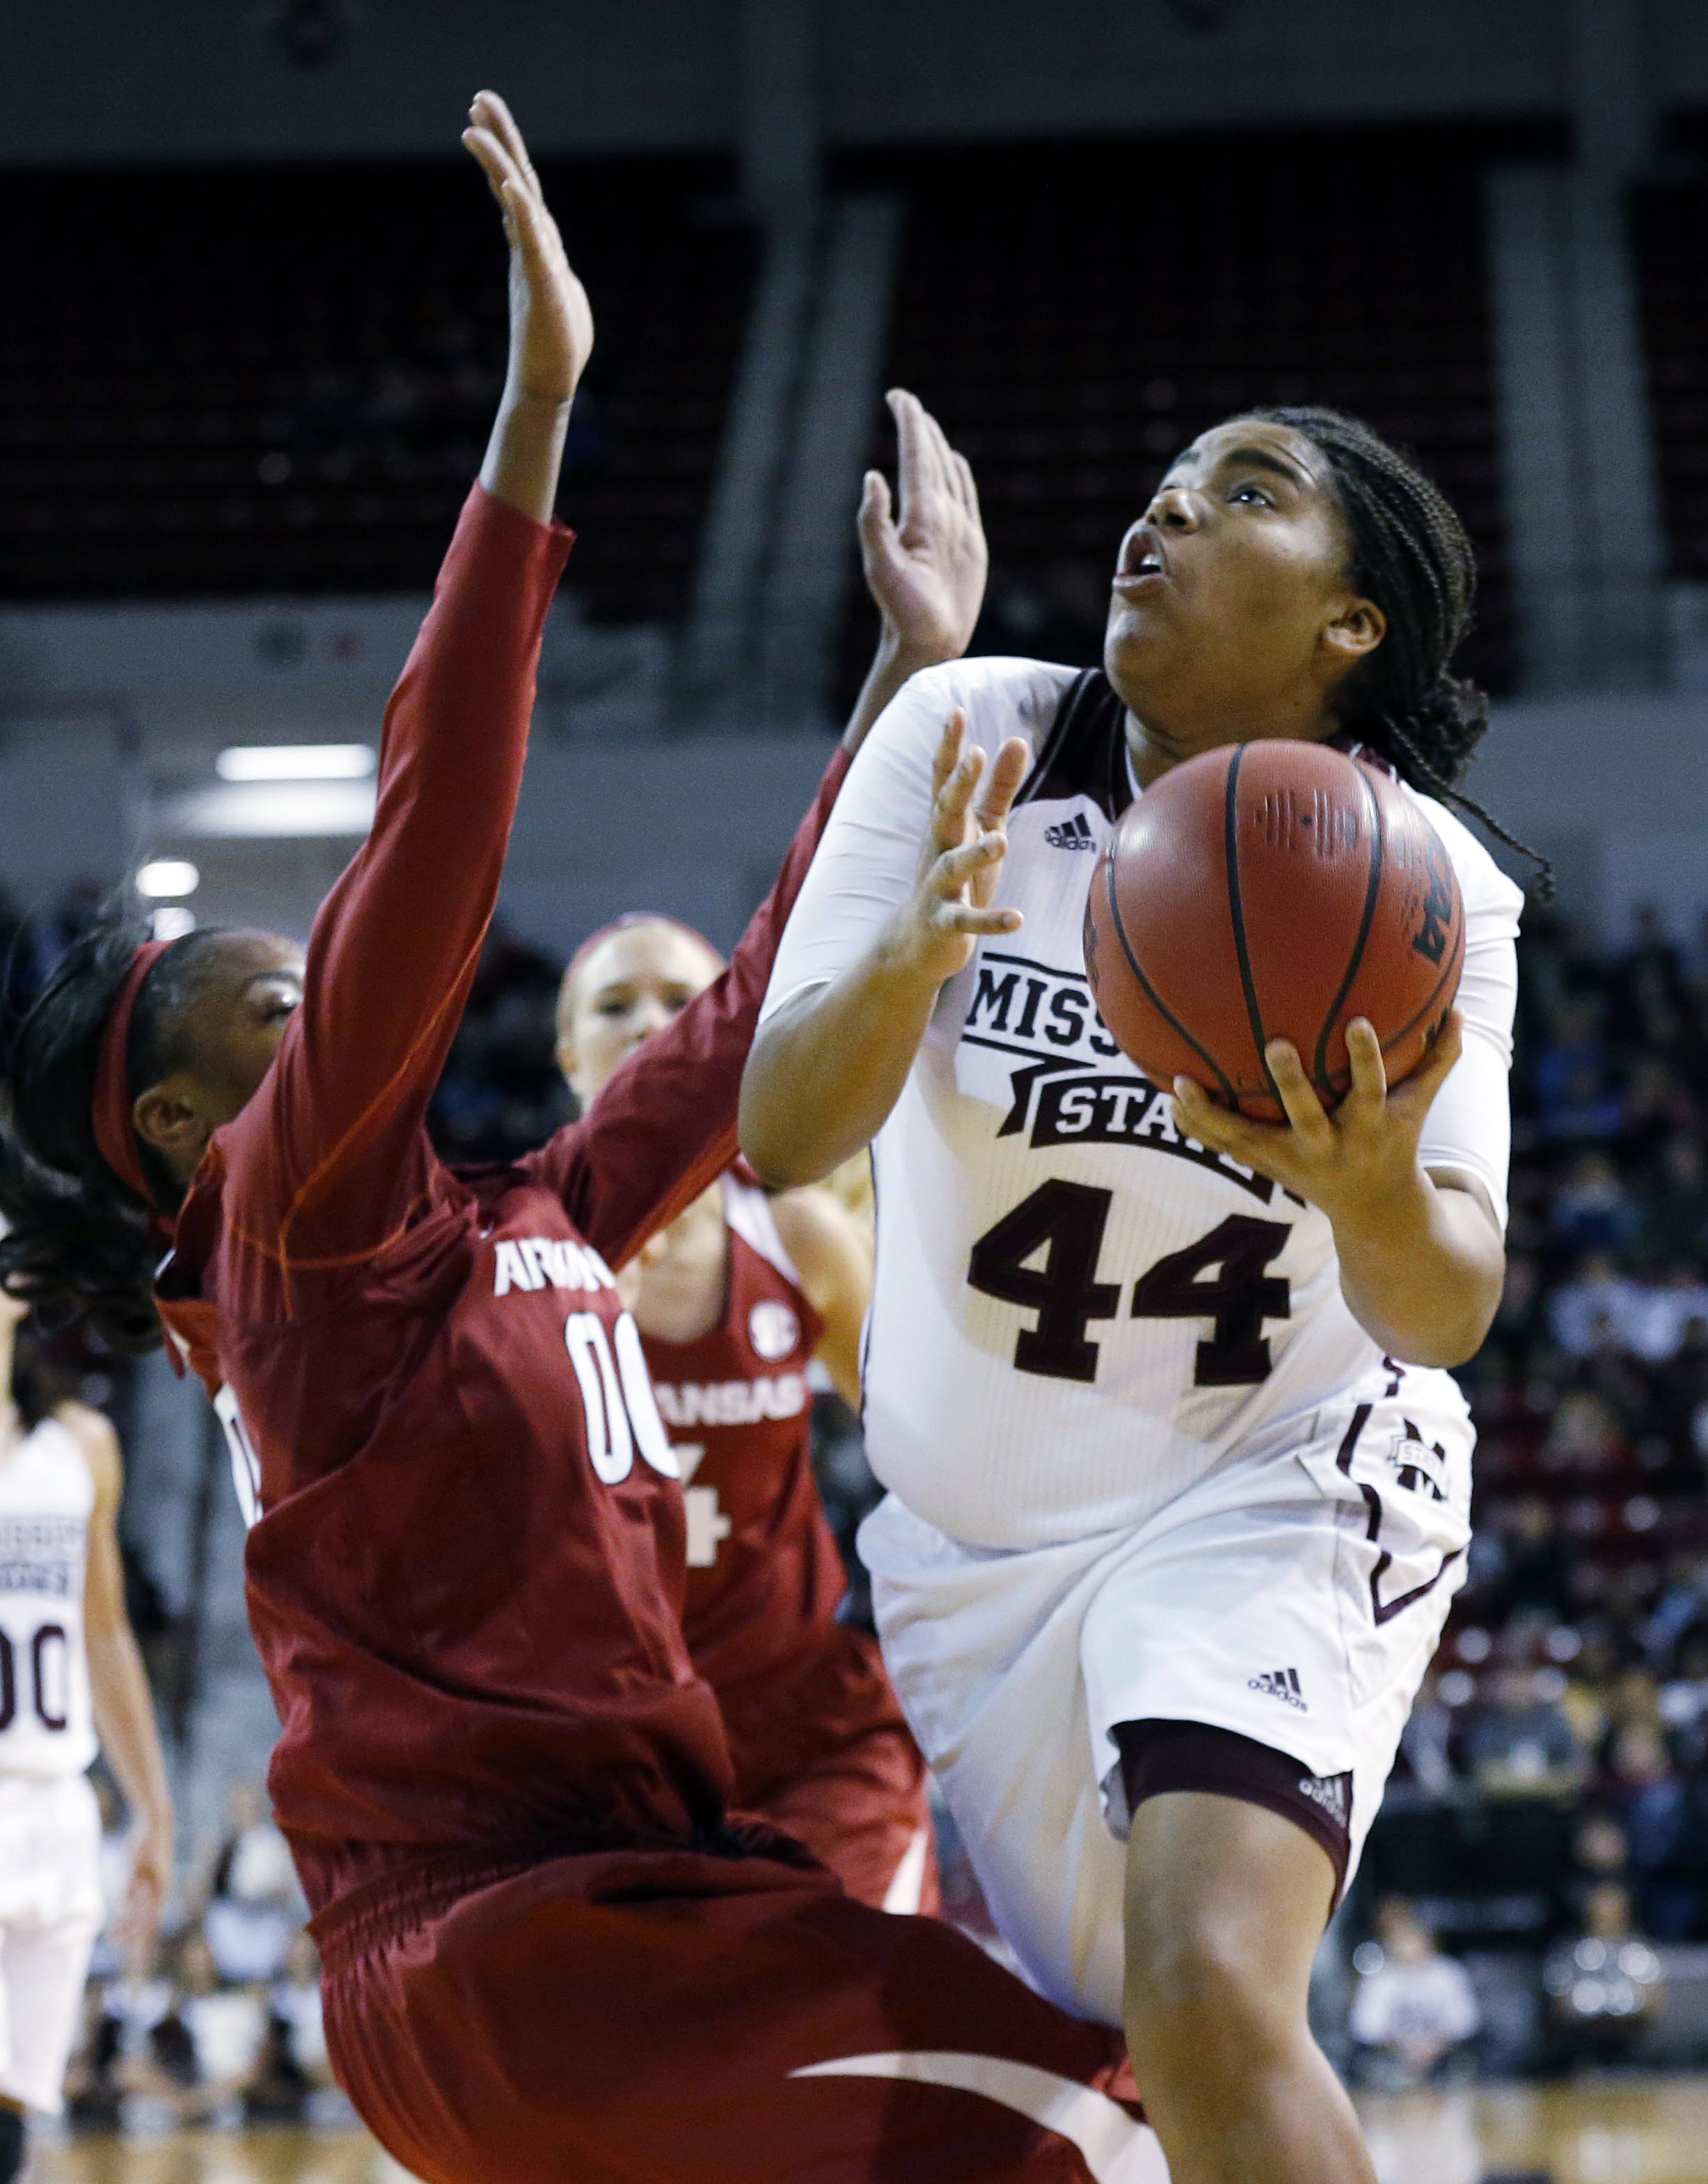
column 1231, row 610
column 251, row 988
column 248, row 988
column 633, row 985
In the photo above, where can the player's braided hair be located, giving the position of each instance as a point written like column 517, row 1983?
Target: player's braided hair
column 80, row 1246
column 1411, row 557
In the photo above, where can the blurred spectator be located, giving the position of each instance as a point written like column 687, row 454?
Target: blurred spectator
column 1662, row 1817
column 1593, row 1209
column 1660, row 1310
column 1521, row 1745
column 294, row 2067
column 94, row 2089
column 1604, row 1984
column 252, row 1902
column 1415, row 2011
column 195, row 2051
column 1427, row 1743
column 1597, row 1295
column 1535, row 1566
column 1584, row 1438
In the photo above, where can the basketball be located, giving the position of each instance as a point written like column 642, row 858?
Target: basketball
column 1272, row 891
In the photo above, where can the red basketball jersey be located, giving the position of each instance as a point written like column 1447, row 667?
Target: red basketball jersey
column 764, row 1575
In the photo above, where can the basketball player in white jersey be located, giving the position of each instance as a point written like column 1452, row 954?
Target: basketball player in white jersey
column 1179, row 1490
column 72, row 1681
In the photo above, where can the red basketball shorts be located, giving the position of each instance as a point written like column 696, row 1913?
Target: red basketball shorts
column 826, row 1757
column 633, row 2017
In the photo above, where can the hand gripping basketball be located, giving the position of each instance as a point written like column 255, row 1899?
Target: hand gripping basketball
column 1354, row 1163
column 939, row 927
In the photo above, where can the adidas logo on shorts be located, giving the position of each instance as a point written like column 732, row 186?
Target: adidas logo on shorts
column 1073, row 833
column 1281, row 1684
column 1334, row 1792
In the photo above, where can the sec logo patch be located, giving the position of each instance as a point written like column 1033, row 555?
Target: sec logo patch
column 773, row 1330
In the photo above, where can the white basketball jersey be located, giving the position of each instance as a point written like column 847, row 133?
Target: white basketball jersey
column 47, row 1498
column 1078, row 1312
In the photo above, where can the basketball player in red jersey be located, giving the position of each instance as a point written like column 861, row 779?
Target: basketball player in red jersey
column 733, row 1301
column 547, row 1954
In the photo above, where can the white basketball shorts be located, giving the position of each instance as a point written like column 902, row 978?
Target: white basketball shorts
column 50, row 1913
column 1296, row 1600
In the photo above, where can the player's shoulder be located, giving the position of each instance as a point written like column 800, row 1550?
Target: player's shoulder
column 1000, row 696
column 96, row 1441
column 1488, row 891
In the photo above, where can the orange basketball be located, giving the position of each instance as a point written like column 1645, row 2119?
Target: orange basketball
column 1272, row 891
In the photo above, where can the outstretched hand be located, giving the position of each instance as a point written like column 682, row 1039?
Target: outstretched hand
column 937, row 927
column 924, row 555
column 137, row 1922
column 551, row 320
column 1352, row 1163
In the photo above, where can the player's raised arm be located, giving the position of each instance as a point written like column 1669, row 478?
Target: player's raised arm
column 396, row 942
column 924, row 558
column 827, row 1068
column 551, row 322
column 666, row 1123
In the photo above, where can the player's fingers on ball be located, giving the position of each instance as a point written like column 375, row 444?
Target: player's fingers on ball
column 1432, row 1072
column 1304, row 1110
column 1369, row 1071
column 1449, row 1045
column 1194, row 1105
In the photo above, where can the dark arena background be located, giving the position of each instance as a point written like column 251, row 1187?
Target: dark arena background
column 253, row 331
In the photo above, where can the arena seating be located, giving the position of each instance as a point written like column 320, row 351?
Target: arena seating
column 1076, row 314
column 281, row 379
column 1669, row 229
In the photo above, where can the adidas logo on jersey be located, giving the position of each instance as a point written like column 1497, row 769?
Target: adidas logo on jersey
column 1073, row 833
column 1281, row 1684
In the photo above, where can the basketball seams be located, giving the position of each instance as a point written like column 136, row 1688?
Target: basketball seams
column 1150, row 991
column 1320, row 1075
column 1456, row 963
column 1229, row 822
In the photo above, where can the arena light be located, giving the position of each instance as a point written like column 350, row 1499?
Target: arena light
column 173, row 922
column 234, row 810
column 163, row 878
column 296, row 762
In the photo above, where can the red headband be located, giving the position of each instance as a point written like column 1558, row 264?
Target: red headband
column 115, row 1135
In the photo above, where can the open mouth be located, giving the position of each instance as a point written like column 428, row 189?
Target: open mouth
column 1142, row 570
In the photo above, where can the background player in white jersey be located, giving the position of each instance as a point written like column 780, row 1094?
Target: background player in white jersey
column 1179, row 1490
column 69, row 1675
